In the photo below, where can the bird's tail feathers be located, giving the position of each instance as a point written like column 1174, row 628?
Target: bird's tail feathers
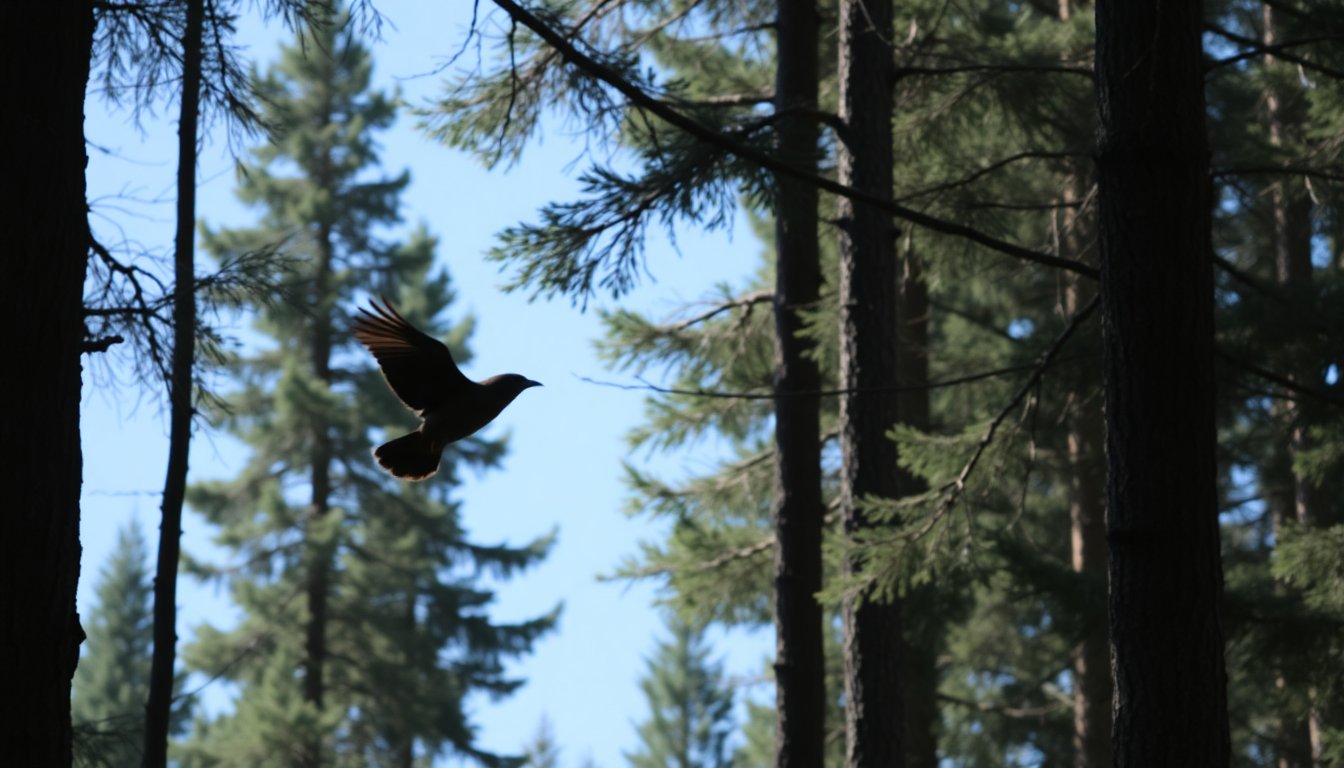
column 410, row 457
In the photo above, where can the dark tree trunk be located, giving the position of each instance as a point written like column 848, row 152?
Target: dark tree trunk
column 159, row 708
column 799, row 661
column 1166, row 584
column 868, row 363
column 46, row 50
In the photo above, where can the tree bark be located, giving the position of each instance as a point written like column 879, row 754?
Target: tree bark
column 869, row 321
column 1087, row 512
column 1166, row 585
column 799, row 661
column 46, row 50
column 1087, row 501
column 1087, row 527
column 159, row 707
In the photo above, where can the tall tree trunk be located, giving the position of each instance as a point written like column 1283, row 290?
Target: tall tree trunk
column 1087, row 499
column 1291, row 215
column 1087, row 526
column 799, row 661
column 1166, row 583
column 922, row 637
column 46, row 50
column 868, row 363
column 181, row 407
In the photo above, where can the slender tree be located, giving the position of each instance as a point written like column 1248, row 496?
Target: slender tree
column 542, row 751
column 690, row 712
column 798, row 510
column 181, row 398
column 1166, row 583
column 47, row 48
column 112, row 682
column 1087, row 479
column 366, row 585
column 874, row 724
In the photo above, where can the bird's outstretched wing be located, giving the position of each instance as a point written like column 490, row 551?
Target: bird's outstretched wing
column 418, row 367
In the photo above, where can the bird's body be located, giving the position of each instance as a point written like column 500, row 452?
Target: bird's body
column 421, row 372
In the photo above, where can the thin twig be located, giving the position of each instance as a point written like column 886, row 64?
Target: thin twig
column 940, row 384
column 952, row 490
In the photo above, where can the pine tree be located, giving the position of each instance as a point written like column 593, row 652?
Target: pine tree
column 112, row 681
column 994, row 125
column 690, row 711
column 542, row 751
column 365, row 585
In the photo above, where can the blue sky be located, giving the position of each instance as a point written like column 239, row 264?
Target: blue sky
column 567, row 439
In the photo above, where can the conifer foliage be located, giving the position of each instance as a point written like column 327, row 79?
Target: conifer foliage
column 998, row 541
column 363, row 627
column 112, row 680
column 690, row 709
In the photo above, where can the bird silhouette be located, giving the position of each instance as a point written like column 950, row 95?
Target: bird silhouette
column 420, row 370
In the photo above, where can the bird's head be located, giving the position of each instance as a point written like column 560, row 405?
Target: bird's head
column 509, row 384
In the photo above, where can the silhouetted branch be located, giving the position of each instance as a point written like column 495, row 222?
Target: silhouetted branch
column 940, row 384
column 639, row 98
column 1256, row 48
column 952, row 490
column 101, row 344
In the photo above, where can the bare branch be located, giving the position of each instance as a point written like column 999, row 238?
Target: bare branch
column 748, row 300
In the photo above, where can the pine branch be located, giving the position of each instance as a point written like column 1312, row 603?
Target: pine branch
column 647, row 386
column 700, row 131
column 749, row 300
column 1284, row 170
column 1257, row 48
column 1045, row 69
column 952, row 490
column 1017, row 713
column 990, row 169
column 1275, row 378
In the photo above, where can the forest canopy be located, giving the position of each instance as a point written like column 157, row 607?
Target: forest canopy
column 927, row 383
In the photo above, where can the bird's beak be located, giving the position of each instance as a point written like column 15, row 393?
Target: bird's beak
column 531, row 383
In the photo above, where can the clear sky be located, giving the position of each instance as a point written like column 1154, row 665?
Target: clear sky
column 567, row 439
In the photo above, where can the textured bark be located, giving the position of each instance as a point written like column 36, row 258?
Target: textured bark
column 1087, row 524
column 46, row 50
column 159, row 708
column 799, row 660
column 1087, row 512
column 1170, row 699
column 873, row 644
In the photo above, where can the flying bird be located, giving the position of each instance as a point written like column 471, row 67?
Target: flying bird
column 420, row 370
